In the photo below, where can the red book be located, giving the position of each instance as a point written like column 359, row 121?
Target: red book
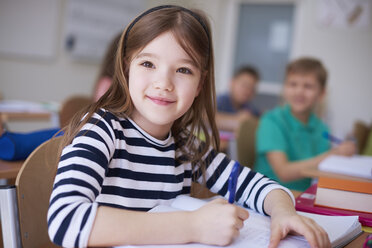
column 305, row 203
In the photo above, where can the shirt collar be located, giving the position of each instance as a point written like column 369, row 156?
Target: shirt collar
column 297, row 124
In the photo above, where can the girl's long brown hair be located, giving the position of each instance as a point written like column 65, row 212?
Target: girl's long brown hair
column 196, row 41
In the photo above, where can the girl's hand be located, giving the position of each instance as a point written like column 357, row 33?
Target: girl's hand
column 218, row 222
column 290, row 222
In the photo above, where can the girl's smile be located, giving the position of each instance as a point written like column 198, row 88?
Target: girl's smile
column 161, row 100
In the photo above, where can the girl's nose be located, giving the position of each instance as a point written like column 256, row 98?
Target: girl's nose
column 163, row 81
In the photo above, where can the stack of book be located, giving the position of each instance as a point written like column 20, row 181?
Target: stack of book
column 338, row 201
column 346, row 194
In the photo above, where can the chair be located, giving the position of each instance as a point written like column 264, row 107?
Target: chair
column 361, row 131
column 27, row 227
column 245, row 142
column 71, row 106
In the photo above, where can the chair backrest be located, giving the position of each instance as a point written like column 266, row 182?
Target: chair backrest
column 361, row 131
column 71, row 106
column 34, row 186
column 245, row 142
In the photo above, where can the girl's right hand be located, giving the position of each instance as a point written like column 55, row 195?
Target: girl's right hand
column 218, row 222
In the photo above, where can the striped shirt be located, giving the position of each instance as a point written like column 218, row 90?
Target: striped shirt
column 113, row 162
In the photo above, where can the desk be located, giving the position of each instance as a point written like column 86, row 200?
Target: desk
column 24, row 116
column 9, row 170
column 14, row 110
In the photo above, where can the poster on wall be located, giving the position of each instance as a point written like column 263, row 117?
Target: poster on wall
column 92, row 24
column 344, row 13
column 29, row 29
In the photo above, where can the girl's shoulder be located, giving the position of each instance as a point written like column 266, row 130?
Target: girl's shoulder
column 109, row 116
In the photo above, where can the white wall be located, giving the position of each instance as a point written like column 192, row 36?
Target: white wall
column 347, row 54
column 46, row 80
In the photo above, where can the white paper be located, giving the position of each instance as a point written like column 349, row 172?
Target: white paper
column 256, row 230
column 358, row 166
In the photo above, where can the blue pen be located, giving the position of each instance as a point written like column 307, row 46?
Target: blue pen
column 332, row 138
column 233, row 181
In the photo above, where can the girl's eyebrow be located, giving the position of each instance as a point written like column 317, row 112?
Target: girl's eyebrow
column 141, row 55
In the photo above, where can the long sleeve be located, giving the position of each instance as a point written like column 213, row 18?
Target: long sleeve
column 252, row 187
column 78, row 181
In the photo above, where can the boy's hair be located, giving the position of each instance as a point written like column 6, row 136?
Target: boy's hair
column 247, row 69
column 194, row 38
column 307, row 65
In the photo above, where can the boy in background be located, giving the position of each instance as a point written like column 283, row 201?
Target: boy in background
column 235, row 106
column 290, row 138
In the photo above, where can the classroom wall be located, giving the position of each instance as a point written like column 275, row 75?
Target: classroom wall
column 346, row 53
column 52, row 79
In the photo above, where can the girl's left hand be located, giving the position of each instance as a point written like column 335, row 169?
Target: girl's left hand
column 283, row 223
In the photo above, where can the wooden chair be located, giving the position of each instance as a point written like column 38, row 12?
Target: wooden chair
column 245, row 142
column 71, row 106
column 27, row 227
column 361, row 131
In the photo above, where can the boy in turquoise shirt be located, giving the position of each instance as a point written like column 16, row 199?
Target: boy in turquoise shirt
column 290, row 138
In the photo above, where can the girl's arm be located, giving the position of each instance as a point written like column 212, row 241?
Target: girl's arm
column 289, row 171
column 285, row 220
column 216, row 223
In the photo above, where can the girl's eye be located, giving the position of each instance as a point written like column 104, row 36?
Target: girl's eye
column 184, row 70
column 148, row 64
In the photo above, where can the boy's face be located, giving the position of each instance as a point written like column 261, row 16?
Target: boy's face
column 302, row 92
column 243, row 88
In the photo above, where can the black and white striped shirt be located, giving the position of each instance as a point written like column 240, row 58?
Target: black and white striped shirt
column 113, row 162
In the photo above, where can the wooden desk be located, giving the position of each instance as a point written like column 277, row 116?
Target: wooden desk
column 9, row 169
column 24, row 116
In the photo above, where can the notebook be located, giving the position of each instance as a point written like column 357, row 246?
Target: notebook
column 358, row 166
column 305, row 203
column 256, row 230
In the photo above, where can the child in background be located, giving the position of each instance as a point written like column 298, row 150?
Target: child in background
column 290, row 138
column 235, row 106
column 106, row 73
column 136, row 148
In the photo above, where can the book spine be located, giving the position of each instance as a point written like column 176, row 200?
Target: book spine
column 345, row 184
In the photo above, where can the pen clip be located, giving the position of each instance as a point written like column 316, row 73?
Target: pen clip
column 233, row 181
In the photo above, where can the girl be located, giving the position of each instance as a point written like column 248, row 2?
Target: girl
column 136, row 148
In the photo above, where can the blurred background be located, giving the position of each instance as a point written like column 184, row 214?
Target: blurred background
column 52, row 49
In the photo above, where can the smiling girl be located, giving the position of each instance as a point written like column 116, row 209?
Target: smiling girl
column 136, row 149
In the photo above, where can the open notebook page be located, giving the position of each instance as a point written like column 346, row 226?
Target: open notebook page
column 256, row 230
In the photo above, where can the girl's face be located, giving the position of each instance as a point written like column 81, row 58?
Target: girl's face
column 163, row 83
column 302, row 92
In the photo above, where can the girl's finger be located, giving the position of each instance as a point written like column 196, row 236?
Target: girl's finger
column 243, row 214
column 275, row 237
